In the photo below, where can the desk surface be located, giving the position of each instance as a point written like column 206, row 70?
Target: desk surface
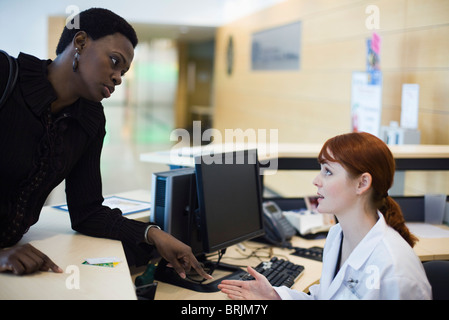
column 235, row 256
column 183, row 156
column 428, row 249
column 53, row 235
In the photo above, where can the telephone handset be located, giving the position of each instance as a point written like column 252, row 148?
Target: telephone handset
column 277, row 228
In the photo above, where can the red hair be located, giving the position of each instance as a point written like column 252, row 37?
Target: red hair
column 361, row 152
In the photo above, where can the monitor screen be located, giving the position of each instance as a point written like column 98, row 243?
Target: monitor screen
column 230, row 202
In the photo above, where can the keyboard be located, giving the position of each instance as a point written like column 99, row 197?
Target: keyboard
column 279, row 272
column 314, row 253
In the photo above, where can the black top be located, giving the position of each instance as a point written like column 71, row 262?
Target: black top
column 40, row 149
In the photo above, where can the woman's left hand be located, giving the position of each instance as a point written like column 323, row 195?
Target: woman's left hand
column 258, row 289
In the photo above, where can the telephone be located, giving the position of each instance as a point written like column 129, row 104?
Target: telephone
column 277, row 228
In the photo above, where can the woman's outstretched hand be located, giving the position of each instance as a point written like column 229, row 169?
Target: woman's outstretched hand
column 258, row 289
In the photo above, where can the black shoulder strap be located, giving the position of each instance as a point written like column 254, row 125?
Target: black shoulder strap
column 13, row 73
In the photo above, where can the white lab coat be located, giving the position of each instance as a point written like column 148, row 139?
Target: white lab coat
column 382, row 266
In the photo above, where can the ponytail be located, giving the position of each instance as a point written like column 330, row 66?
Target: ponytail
column 394, row 218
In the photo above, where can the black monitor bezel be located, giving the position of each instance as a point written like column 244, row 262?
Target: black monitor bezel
column 207, row 247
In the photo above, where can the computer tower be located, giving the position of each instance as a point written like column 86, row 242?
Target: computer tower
column 175, row 204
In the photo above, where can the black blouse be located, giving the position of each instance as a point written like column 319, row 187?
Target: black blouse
column 40, row 149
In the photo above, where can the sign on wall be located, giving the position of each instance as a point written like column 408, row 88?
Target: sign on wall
column 366, row 102
column 277, row 48
column 366, row 92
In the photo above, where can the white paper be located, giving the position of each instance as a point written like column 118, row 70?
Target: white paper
column 424, row 230
column 366, row 104
column 102, row 260
column 307, row 222
column 127, row 206
column 410, row 105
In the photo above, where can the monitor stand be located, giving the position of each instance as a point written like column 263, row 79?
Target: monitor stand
column 169, row 275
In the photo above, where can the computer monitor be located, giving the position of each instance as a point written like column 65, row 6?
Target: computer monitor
column 228, row 191
column 230, row 201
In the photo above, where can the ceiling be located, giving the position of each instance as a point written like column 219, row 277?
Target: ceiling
column 147, row 32
column 190, row 20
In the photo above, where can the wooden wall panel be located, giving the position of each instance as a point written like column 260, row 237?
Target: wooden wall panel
column 55, row 26
column 415, row 49
column 313, row 103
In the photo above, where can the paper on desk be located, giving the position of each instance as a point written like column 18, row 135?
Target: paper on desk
column 425, row 230
column 103, row 262
column 307, row 222
column 127, row 206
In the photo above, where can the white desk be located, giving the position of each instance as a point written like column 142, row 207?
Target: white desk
column 53, row 235
column 235, row 256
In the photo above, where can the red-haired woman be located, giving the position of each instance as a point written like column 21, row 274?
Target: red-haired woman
column 368, row 254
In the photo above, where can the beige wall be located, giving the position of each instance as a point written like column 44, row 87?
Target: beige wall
column 313, row 103
column 55, row 26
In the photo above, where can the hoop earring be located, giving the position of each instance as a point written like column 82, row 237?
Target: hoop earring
column 76, row 59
